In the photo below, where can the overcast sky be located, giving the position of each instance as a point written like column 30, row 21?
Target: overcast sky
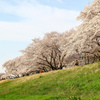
column 23, row 20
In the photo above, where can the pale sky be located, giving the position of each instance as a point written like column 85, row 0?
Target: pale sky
column 23, row 20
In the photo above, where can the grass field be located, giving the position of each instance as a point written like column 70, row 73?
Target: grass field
column 77, row 83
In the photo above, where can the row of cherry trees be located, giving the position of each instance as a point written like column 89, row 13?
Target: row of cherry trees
column 55, row 50
column 47, row 53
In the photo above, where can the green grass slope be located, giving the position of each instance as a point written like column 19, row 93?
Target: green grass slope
column 77, row 83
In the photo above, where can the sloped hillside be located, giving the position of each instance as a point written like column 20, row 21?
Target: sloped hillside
column 77, row 83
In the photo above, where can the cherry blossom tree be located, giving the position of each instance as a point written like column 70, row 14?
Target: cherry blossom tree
column 47, row 52
column 90, row 29
column 88, row 32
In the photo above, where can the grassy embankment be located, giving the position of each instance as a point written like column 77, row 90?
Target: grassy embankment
column 77, row 83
